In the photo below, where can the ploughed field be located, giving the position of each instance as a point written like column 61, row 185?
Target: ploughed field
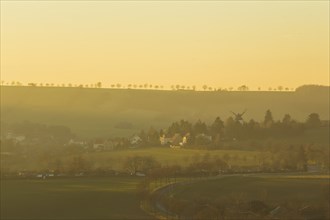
column 71, row 198
column 274, row 189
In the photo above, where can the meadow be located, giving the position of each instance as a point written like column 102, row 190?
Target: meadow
column 169, row 156
column 271, row 188
column 71, row 198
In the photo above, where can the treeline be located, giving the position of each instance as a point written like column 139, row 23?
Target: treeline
column 200, row 134
column 150, row 86
column 303, row 88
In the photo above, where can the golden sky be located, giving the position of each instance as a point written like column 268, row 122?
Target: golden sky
column 218, row 43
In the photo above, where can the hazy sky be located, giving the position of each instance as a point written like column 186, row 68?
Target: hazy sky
column 218, row 43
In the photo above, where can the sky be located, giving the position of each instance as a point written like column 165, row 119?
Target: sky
column 217, row 43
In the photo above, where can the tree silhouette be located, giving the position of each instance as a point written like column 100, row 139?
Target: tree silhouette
column 205, row 87
column 313, row 121
column 286, row 119
column 99, row 85
column 243, row 88
column 268, row 121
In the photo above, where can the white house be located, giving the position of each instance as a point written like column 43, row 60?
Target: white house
column 98, row 146
column 135, row 139
column 165, row 140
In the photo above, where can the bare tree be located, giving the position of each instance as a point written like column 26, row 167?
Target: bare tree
column 98, row 85
column 243, row 88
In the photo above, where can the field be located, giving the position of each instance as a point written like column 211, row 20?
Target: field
column 168, row 156
column 272, row 188
column 71, row 198
column 98, row 112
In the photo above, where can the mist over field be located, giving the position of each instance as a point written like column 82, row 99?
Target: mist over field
column 93, row 112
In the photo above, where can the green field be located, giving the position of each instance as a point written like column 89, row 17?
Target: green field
column 116, row 159
column 71, row 198
column 271, row 188
column 168, row 156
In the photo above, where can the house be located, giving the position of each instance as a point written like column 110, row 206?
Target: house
column 185, row 139
column 76, row 142
column 19, row 139
column 313, row 167
column 165, row 140
column 203, row 139
column 177, row 139
column 135, row 140
column 15, row 138
column 98, row 146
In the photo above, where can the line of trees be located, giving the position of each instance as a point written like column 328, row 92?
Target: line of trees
column 200, row 134
column 145, row 86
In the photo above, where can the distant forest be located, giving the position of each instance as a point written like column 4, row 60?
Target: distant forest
column 182, row 132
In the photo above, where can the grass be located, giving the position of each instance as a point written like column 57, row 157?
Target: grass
column 71, row 198
column 271, row 188
column 168, row 156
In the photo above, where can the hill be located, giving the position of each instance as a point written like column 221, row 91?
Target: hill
column 93, row 112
